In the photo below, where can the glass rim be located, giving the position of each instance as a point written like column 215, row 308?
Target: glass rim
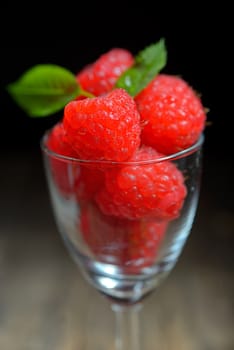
column 174, row 156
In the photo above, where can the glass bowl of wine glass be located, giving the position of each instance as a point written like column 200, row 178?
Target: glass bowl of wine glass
column 125, row 223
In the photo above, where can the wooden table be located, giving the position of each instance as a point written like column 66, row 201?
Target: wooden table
column 45, row 304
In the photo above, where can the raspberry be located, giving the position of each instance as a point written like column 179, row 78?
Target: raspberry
column 105, row 127
column 102, row 235
column 172, row 114
column 143, row 242
column 101, row 76
column 57, row 141
column 88, row 183
column 137, row 191
column 119, row 241
column 61, row 170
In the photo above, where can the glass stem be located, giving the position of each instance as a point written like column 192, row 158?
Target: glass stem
column 127, row 332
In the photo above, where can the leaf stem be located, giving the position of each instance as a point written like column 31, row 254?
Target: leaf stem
column 85, row 93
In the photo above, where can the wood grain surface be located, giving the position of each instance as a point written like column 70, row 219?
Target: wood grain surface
column 45, row 304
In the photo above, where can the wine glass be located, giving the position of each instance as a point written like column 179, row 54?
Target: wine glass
column 125, row 259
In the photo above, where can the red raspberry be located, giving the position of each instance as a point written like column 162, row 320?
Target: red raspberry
column 102, row 235
column 88, row 183
column 143, row 242
column 119, row 241
column 106, row 127
column 61, row 170
column 101, row 76
column 57, row 141
column 137, row 191
column 172, row 114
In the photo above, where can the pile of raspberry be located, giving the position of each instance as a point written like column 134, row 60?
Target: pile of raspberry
column 125, row 205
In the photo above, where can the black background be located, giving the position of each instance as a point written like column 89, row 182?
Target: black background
column 198, row 41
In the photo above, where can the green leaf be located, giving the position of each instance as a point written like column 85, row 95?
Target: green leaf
column 44, row 89
column 148, row 64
